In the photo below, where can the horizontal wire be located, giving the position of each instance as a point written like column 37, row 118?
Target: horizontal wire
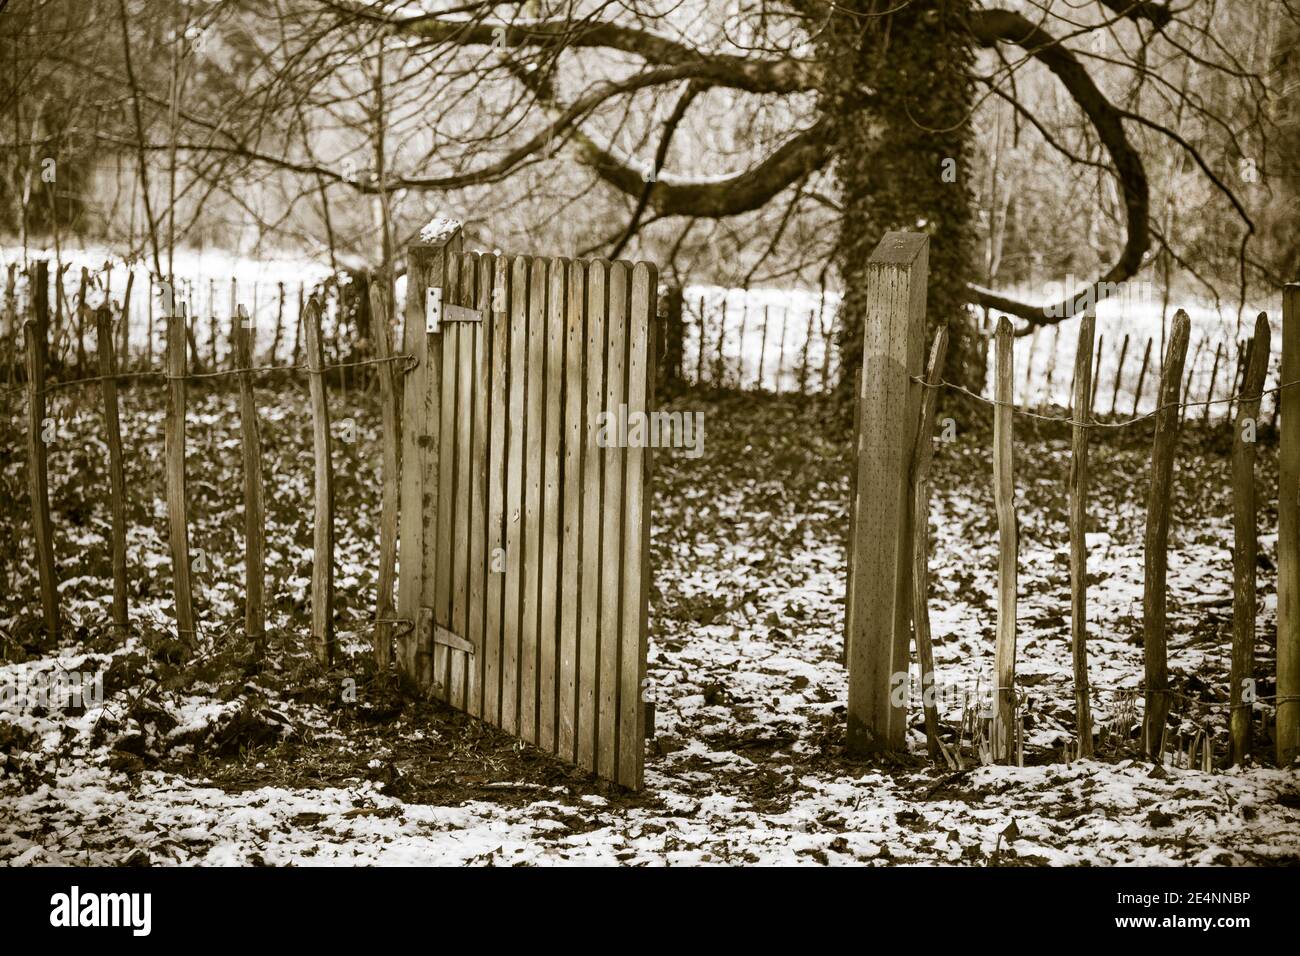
column 1066, row 420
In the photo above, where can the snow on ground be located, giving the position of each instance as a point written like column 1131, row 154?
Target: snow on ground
column 205, row 755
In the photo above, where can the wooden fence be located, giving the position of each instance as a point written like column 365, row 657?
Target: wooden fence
column 177, row 374
column 888, row 589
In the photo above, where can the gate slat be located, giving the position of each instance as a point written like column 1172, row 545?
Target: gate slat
column 548, row 632
column 636, row 533
column 444, row 567
column 535, row 420
column 592, row 470
column 494, row 622
column 510, row 658
column 570, row 574
column 478, row 536
column 612, row 530
column 465, row 378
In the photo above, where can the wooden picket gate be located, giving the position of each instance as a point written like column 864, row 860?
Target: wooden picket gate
column 523, row 544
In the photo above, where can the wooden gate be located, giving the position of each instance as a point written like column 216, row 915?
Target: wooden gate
column 523, row 542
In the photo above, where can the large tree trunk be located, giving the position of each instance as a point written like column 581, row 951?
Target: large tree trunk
column 899, row 98
column 1283, row 173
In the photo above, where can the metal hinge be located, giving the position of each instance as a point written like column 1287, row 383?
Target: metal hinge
column 436, row 312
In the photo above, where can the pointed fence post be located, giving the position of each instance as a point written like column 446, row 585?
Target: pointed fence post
column 889, row 402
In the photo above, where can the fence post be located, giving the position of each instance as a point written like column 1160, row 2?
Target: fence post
column 322, row 573
column 1004, row 490
column 174, row 453
column 250, row 440
column 1288, row 539
column 392, row 437
column 427, row 263
column 107, row 355
column 38, row 483
column 1245, row 542
column 922, row 456
column 1081, row 412
column 880, row 538
column 1156, row 543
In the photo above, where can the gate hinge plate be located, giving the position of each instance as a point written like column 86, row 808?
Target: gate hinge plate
column 437, row 312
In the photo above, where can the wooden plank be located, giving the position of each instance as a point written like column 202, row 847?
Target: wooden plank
column 636, row 531
column 484, row 266
column 881, row 538
column 38, row 481
column 421, row 451
column 1082, row 414
column 511, row 650
column 1156, row 542
column 922, row 457
column 463, row 425
column 593, row 467
column 612, row 554
column 535, row 422
column 1003, row 735
column 174, row 453
column 444, row 547
column 494, row 617
column 250, row 441
column 571, row 547
column 322, row 565
column 107, row 355
column 390, row 463
column 1288, row 535
column 548, row 656
column 1245, row 543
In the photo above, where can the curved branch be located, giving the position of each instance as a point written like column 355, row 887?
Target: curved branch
column 786, row 75
column 990, row 27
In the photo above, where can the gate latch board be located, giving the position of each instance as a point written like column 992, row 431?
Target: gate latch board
column 437, row 312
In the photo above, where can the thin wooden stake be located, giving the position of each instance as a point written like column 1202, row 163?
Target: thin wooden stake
column 1157, row 535
column 1004, row 490
column 1245, row 543
column 1214, row 375
column 1142, row 376
column 1082, row 413
column 922, row 457
column 116, row 479
column 254, row 516
column 1288, row 536
column 322, row 573
column 38, row 482
column 177, row 505
column 391, row 463
column 1119, row 373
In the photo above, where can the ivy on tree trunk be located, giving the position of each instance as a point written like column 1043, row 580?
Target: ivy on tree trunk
column 899, row 96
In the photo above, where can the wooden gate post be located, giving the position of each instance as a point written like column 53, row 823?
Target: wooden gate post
column 880, row 539
column 426, row 267
column 1288, row 536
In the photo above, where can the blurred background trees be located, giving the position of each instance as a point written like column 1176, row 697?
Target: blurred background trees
column 738, row 142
